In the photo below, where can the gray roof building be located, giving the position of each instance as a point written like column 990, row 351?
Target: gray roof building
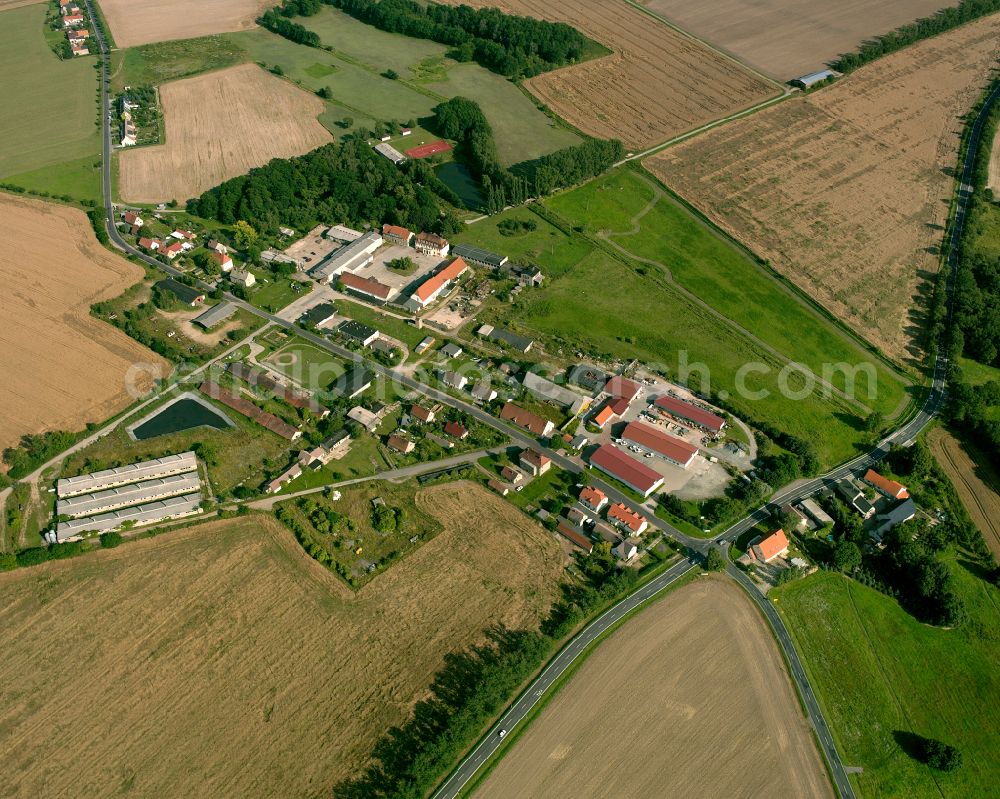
column 552, row 392
column 349, row 258
column 505, row 337
column 358, row 331
column 477, row 255
column 133, row 494
column 150, row 513
column 217, row 313
column 123, row 475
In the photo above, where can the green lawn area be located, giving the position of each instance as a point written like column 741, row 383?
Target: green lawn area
column 877, row 672
column 153, row 64
column 976, row 373
column 50, row 113
column 390, row 325
column 719, row 274
column 307, row 365
column 272, row 293
column 79, row 179
column 240, row 451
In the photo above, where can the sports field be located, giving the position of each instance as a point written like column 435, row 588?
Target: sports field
column 49, row 106
column 789, row 38
column 61, row 367
column 880, row 675
column 846, row 190
column 223, row 661
column 689, row 698
column 218, row 127
column 656, row 84
column 159, row 20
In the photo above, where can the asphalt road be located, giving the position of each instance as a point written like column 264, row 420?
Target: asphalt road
column 904, row 435
column 557, row 666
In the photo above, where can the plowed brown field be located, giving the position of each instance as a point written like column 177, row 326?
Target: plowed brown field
column 689, row 699
column 657, row 83
column 218, row 126
column 59, row 367
column 976, row 480
column 222, row 661
column 788, row 38
column 148, row 21
column 846, row 190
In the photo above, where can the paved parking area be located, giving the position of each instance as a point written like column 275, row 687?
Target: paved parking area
column 383, row 274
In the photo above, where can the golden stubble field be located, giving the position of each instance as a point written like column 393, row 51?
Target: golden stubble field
column 789, row 38
column 148, row 21
column 846, row 190
column 994, row 178
column 61, row 368
column 222, row 661
column 976, row 480
column 688, row 699
column 220, row 125
column 657, row 82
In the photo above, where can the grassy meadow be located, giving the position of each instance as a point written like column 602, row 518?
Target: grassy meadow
column 878, row 673
column 49, row 106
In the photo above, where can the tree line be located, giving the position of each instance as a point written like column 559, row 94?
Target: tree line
column 513, row 46
column 924, row 28
column 463, row 121
column 342, row 181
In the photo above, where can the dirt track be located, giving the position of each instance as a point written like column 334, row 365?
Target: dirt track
column 976, row 480
column 655, row 84
column 689, row 699
column 222, row 661
column 846, row 190
column 218, row 126
column 148, row 21
column 61, row 367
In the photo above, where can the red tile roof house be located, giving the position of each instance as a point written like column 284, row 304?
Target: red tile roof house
column 422, row 414
column 604, row 415
column 512, row 475
column 132, row 218
column 767, row 549
column 397, row 234
column 680, row 409
column 593, row 498
column 400, row 444
column 149, row 244
column 72, row 20
column 172, row 250
column 626, row 519
column 432, row 244
column 223, row 260
column 455, row 430
column 626, row 469
column 622, row 388
column 500, row 488
column 885, row 486
column 531, row 422
column 535, row 462
column 573, row 534
column 365, row 286
column 650, row 439
column 431, row 289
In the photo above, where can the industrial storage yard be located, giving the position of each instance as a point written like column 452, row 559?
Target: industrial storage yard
column 846, row 190
column 217, row 127
column 301, row 674
column 789, row 38
column 690, row 698
column 62, row 368
column 657, row 83
column 162, row 20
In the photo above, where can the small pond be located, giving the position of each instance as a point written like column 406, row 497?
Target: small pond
column 185, row 413
column 457, row 178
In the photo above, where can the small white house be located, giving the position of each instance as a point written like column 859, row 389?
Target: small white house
column 242, row 277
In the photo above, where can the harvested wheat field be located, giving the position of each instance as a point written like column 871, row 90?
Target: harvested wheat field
column 789, row 38
column 656, row 84
column 690, row 698
column 61, row 367
column 846, row 190
column 148, row 21
column 994, row 177
column 976, row 480
column 220, row 125
column 6, row 4
column 222, row 661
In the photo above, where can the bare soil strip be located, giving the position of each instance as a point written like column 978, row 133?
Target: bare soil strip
column 690, row 698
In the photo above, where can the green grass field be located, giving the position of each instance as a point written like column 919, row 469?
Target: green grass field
column 49, row 106
column 390, row 325
column 273, row 293
column 307, row 365
column 708, row 266
column 878, row 672
column 153, row 64
column 79, row 179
